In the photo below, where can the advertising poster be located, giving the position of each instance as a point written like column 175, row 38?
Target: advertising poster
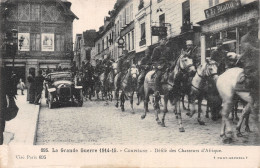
column 26, row 41
column 47, row 42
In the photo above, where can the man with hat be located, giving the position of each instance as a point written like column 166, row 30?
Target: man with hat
column 122, row 66
column 219, row 55
column 192, row 51
column 250, row 57
column 106, row 63
column 144, row 67
column 160, row 58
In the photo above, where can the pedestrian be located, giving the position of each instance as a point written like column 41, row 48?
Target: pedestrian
column 38, row 87
column 31, row 87
column 14, row 82
column 21, row 86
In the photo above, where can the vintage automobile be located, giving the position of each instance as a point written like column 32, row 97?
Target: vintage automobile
column 60, row 87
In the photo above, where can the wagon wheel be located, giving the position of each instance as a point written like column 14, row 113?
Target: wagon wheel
column 50, row 100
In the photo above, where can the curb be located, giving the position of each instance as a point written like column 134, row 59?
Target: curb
column 35, row 125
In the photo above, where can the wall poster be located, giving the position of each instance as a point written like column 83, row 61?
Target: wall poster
column 47, row 42
column 26, row 41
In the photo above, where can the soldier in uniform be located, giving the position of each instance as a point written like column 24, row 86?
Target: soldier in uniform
column 192, row 51
column 106, row 63
column 250, row 58
column 219, row 55
column 122, row 66
column 144, row 67
column 160, row 58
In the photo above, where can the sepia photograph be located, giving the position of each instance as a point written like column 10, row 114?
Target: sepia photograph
column 118, row 83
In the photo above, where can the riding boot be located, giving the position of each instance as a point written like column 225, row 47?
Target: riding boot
column 157, row 83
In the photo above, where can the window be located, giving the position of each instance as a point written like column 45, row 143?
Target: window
column 35, row 12
column 35, row 41
column 213, row 2
column 124, row 17
column 133, row 40
column 131, row 13
column 103, row 43
column 141, row 4
column 142, row 31
column 162, row 19
column 125, row 38
column 59, row 46
column 118, row 30
column 98, row 47
column 120, row 22
column 127, row 15
column 129, row 44
column 186, row 13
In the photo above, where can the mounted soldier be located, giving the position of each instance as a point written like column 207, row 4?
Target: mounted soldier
column 106, row 63
column 160, row 59
column 122, row 66
column 219, row 55
column 192, row 52
column 144, row 67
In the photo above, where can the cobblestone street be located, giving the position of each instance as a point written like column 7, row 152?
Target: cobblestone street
column 95, row 124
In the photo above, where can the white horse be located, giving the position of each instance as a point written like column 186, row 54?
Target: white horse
column 226, row 84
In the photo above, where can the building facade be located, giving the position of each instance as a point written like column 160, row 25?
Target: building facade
column 46, row 27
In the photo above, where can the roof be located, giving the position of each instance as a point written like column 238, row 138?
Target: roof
column 67, row 11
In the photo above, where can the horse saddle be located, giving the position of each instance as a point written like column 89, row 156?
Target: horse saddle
column 241, row 85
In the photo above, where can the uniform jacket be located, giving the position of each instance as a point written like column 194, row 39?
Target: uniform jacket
column 161, row 54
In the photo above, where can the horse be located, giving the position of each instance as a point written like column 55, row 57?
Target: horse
column 226, row 85
column 199, row 88
column 170, row 89
column 127, row 86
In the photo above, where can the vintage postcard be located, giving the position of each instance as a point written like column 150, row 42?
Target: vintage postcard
column 129, row 83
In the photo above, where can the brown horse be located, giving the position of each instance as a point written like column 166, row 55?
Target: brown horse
column 226, row 85
column 171, row 89
column 127, row 86
column 202, row 78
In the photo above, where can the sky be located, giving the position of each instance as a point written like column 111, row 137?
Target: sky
column 91, row 14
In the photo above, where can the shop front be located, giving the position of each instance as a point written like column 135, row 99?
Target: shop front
column 227, row 27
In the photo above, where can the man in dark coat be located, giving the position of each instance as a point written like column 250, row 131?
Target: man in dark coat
column 144, row 67
column 219, row 55
column 160, row 59
column 250, row 58
column 193, row 52
column 38, row 87
column 107, row 64
column 122, row 66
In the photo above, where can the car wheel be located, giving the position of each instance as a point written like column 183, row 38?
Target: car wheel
column 50, row 102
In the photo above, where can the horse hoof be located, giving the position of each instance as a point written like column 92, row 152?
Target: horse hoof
column 201, row 122
column 188, row 114
column 207, row 116
column 163, row 124
column 116, row 105
column 122, row 109
column 143, row 117
column 227, row 140
column 247, row 129
column 176, row 117
column 181, row 129
column 158, row 121
column 239, row 134
column 137, row 104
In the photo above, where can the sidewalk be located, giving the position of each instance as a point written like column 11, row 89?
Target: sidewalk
column 22, row 129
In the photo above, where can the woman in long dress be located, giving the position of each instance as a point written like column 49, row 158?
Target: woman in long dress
column 31, row 88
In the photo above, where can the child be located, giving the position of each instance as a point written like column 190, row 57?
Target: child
column 22, row 85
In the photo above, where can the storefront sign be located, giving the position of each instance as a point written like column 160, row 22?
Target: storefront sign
column 222, row 8
column 159, row 31
column 230, row 21
column 47, row 42
column 26, row 42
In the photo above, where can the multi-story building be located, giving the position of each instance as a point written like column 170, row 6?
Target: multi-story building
column 46, row 27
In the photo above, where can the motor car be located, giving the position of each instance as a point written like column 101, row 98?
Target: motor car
column 60, row 87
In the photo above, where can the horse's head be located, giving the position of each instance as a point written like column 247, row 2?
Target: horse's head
column 186, row 64
column 134, row 72
column 210, row 69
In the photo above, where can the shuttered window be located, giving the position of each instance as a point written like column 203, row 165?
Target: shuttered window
column 131, row 13
column 59, row 45
column 35, row 41
column 127, row 15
